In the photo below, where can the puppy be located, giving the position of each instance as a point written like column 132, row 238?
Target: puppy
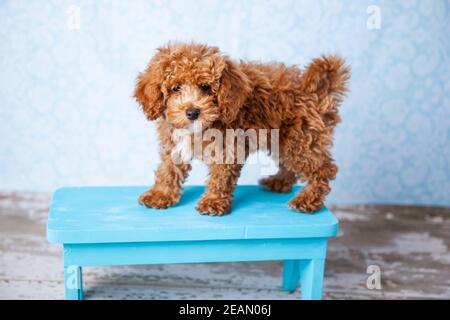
column 188, row 84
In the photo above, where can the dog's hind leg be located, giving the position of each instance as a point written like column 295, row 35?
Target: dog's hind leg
column 281, row 182
column 312, row 197
column 306, row 148
column 306, row 153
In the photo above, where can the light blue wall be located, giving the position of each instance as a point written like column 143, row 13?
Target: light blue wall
column 67, row 116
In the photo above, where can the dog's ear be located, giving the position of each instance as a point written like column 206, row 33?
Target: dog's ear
column 234, row 89
column 148, row 88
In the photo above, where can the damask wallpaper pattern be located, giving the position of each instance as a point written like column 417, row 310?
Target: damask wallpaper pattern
column 67, row 70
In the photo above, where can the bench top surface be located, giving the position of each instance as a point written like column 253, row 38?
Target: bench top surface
column 112, row 214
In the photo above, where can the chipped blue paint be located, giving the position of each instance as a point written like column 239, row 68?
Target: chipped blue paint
column 112, row 214
column 106, row 226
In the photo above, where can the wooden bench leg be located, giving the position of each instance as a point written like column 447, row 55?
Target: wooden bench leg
column 73, row 283
column 291, row 275
column 311, row 278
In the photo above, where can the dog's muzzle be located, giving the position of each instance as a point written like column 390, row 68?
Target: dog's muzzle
column 192, row 113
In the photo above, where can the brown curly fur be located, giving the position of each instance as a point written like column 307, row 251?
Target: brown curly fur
column 302, row 104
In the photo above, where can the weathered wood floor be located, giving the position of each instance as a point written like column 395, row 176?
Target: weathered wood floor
column 409, row 244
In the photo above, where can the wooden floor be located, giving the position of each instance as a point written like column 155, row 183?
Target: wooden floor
column 409, row 244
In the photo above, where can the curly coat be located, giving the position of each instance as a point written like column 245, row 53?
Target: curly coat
column 302, row 104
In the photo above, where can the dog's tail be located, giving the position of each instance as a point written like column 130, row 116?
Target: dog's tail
column 325, row 79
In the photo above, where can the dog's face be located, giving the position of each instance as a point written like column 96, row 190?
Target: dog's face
column 185, row 83
column 190, row 93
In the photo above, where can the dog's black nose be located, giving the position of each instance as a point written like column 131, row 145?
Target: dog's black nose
column 192, row 114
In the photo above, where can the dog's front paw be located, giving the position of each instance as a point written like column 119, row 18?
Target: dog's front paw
column 157, row 199
column 307, row 201
column 214, row 205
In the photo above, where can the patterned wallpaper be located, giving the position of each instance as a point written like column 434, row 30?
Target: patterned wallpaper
column 67, row 70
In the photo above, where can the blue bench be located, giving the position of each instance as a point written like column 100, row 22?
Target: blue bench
column 105, row 226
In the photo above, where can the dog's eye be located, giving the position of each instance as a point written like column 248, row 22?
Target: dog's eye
column 205, row 87
column 176, row 88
